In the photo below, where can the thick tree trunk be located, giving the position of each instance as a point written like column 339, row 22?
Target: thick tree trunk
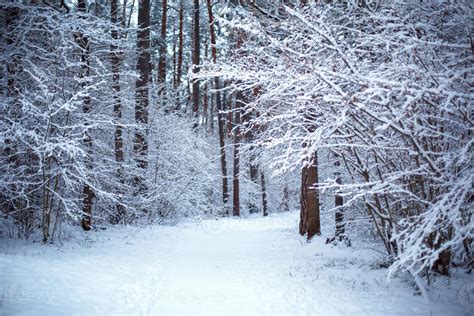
column 309, row 219
column 140, row 143
column 87, row 192
column 196, row 61
column 220, row 114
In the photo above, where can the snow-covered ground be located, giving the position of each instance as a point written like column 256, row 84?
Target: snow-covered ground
column 226, row 266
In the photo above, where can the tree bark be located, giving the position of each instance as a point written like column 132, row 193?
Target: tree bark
column 140, row 144
column 286, row 197
column 118, row 138
column 179, row 66
column 87, row 191
column 309, row 217
column 340, row 233
column 220, row 114
column 205, row 99
column 175, row 56
column 229, row 121
column 236, row 183
column 339, row 216
column 163, row 46
column 196, row 61
column 249, row 135
column 239, row 104
column 264, row 195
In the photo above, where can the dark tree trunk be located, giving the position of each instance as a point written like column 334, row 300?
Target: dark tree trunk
column 339, row 217
column 236, row 183
column 205, row 99
column 239, row 105
column 340, row 233
column 196, row 61
column 140, row 143
column 264, row 195
column 286, row 198
column 118, row 139
column 212, row 112
column 163, row 46
column 221, row 127
column 124, row 13
column 229, row 122
column 179, row 65
column 309, row 219
column 88, row 193
column 175, row 57
column 253, row 168
column 220, row 114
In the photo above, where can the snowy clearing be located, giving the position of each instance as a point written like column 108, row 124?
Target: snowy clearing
column 226, row 266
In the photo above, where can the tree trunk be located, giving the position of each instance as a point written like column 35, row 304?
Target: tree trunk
column 309, row 217
column 124, row 13
column 205, row 99
column 87, row 191
column 339, row 217
column 118, row 139
column 264, row 195
column 179, row 66
column 239, row 103
column 163, row 46
column 220, row 114
column 175, row 56
column 140, row 144
column 286, row 198
column 229, row 117
column 196, row 61
column 249, row 135
column 236, row 188
column 340, row 233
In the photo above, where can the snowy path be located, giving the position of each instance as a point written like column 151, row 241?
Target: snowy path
column 248, row 266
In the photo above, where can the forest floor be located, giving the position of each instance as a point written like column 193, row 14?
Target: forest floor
column 226, row 266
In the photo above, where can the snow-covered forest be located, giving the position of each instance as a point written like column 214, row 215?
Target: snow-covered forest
column 244, row 157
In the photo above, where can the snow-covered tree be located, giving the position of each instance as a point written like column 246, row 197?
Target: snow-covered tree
column 388, row 92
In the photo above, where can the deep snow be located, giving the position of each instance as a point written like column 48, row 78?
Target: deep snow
column 226, row 266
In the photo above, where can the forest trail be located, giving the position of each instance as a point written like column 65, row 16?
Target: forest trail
column 211, row 267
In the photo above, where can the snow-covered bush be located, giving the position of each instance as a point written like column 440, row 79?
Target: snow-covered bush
column 44, row 122
column 59, row 119
column 183, row 169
